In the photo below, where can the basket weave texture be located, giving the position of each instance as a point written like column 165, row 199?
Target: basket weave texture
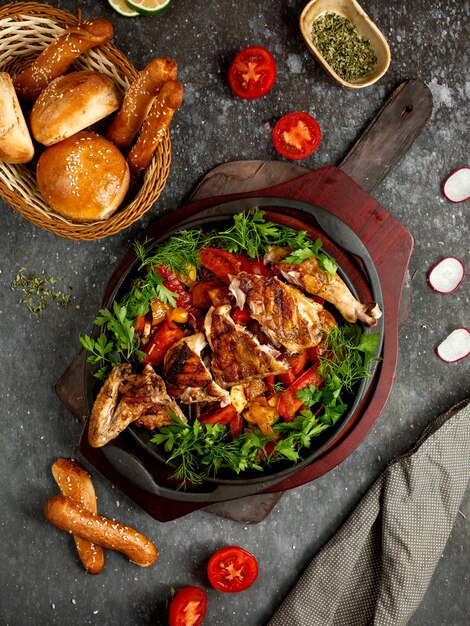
column 26, row 29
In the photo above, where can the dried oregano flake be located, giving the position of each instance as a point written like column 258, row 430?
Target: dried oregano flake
column 38, row 291
column 350, row 55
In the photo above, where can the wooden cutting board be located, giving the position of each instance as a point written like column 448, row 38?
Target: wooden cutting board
column 381, row 146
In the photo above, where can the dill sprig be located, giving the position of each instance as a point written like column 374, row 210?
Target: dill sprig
column 38, row 291
column 249, row 234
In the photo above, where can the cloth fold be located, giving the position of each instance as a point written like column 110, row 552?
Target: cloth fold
column 379, row 564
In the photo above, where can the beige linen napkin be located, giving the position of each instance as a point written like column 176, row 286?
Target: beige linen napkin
column 377, row 567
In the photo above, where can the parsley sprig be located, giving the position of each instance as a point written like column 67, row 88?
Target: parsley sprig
column 119, row 338
column 325, row 262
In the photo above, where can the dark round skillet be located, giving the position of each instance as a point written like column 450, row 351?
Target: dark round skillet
column 355, row 267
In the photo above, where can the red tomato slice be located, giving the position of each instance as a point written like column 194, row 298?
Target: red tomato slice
column 252, row 73
column 296, row 135
column 188, row 607
column 232, row 569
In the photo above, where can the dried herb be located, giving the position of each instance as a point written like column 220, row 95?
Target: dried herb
column 350, row 55
column 37, row 291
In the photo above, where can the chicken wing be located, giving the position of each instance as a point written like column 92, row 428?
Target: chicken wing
column 237, row 356
column 285, row 314
column 316, row 281
column 101, row 426
column 143, row 400
column 186, row 375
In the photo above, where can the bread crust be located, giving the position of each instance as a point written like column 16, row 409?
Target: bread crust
column 71, row 103
column 83, row 178
column 71, row 516
column 56, row 59
column 138, row 100
column 168, row 100
column 16, row 145
column 76, row 483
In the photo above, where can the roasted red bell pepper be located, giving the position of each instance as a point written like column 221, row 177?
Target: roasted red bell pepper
column 139, row 324
column 241, row 316
column 220, row 262
column 236, row 426
column 199, row 293
column 316, row 352
column 220, row 416
column 288, row 403
column 253, row 266
column 166, row 336
column 173, row 283
column 296, row 363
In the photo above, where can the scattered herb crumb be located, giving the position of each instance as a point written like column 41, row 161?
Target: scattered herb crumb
column 38, row 291
column 350, row 55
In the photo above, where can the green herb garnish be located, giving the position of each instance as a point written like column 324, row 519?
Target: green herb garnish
column 325, row 262
column 143, row 291
column 119, row 338
column 337, row 39
column 37, row 291
column 201, row 450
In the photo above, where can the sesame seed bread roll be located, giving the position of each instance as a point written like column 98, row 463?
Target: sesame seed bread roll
column 15, row 141
column 83, row 178
column 138, row 100
column 56, row 59
column 70, row 104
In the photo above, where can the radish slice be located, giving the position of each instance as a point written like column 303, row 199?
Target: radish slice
column 455, row 347
column 446, row 276
column 456, row 187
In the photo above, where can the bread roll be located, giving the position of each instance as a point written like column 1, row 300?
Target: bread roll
column 83, row 178
column 71, row 103
column 15, row 141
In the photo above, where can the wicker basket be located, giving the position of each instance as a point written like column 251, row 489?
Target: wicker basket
column 25, row 30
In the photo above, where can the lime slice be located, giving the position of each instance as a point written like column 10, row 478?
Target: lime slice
column 123, row 8
column 149, row 7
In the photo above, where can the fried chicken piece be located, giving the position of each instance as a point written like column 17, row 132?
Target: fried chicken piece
column 237, row 355
column 186, row 375
column 285, row 314
column 311, row 277
column 126, row 397
column 102, row 426
column 146, row 401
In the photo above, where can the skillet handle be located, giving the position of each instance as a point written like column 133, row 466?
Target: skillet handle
column 389, row 135
column 133, row 470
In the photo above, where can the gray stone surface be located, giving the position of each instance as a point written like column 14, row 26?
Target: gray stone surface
column 41, row 581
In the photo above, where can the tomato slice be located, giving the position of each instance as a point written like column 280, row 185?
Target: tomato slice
column 232, row 569
column 188, row 607
column 252, row 72
column 296, row 363
column 296, row 135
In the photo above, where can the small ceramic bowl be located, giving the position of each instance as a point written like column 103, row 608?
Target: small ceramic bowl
column 365, row 27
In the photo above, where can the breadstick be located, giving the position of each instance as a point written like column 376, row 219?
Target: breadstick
column 59, row 56
column 169, row 99
column 69, row 515
column 76, row 483
column 138, row 100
